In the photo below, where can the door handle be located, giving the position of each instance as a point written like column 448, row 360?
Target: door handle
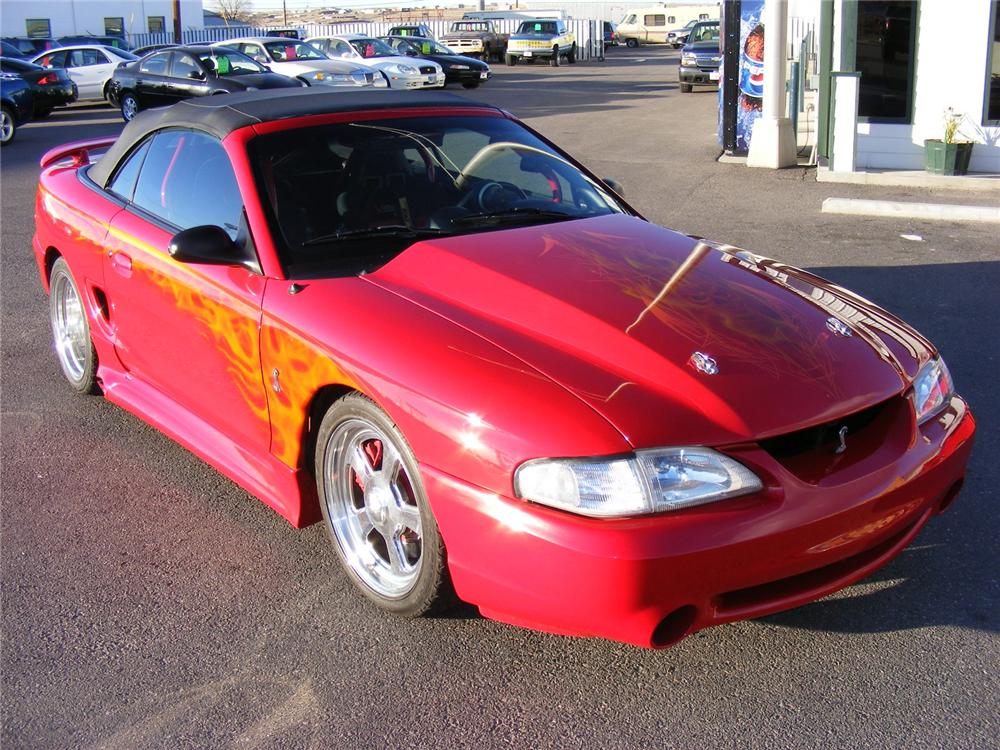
column 122, row 263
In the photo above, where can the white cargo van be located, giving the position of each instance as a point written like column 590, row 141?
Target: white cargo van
column 651, row 25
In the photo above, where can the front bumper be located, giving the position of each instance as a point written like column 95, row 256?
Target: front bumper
column 651, row 580
column 699, row 76
column 419, row 81
column 468, row 76
column 531, row 54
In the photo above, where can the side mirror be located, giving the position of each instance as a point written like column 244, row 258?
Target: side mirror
column 205, row 244
column 196, row 75
column 614, row 185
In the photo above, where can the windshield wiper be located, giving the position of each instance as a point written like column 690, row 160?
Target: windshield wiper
column 389, row 230
column 515, row 215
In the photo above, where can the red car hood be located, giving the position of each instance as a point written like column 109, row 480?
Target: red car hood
column 613, row 308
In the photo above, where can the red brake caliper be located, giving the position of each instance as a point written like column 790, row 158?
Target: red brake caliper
column 372, row 449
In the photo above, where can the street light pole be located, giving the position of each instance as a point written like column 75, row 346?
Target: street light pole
column 177, row 22
column 284, row 13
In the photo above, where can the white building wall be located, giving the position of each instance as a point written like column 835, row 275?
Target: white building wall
column 68, row 17
column 946, row 75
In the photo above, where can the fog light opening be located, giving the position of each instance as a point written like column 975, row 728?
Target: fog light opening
column 674, row 626
column 950, row 495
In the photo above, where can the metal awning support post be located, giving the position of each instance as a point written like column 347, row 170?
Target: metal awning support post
column 773, row 143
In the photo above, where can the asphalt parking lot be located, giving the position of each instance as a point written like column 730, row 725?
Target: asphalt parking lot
column 147, row 601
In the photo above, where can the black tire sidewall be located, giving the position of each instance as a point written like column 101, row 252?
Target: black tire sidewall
column 432, row 590
column 13, row 126
column 87, row 383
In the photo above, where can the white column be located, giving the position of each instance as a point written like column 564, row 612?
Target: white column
column 772, row 144
column 844, row 144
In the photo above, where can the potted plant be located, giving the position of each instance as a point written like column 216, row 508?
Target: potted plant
column 948, row 156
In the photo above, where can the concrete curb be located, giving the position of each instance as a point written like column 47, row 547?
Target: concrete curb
column 900, row 210
column 977, row 181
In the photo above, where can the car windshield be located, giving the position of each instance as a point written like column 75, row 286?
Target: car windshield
column 346, row 198
column 229, row 63
column 705, row 34
column 470, row 27
column 287, row 50
column 429, row 47
column 373, row 48
column 119, row 53
column 537, row 27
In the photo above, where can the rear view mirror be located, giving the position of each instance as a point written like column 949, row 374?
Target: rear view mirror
column 614, row 185
column 205, row 244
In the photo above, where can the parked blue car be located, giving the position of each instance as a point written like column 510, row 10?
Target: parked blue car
column 16, row 105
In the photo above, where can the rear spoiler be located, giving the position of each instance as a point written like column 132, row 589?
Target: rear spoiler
column 77, row 153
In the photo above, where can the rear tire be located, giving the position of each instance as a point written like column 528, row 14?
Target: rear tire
column 8, row 126
column 633, row 43
column 129, row 106
column 571, row 57
column 71, row 330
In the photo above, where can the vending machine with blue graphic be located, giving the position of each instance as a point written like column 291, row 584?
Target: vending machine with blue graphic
column 742, row 90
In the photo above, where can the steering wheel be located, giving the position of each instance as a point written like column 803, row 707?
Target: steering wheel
column 491, row 196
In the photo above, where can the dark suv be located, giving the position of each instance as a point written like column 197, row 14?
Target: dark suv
column 700, row 57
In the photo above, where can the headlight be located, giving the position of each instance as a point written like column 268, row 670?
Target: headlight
column 406, row 70
column 687, row 59
column 459, row 67
column 650, row 481
column 932, row 389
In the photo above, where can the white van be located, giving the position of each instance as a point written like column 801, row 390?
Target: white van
column 651, row 25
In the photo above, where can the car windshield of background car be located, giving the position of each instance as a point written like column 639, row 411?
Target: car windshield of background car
column 287, row 51
column 373, row 48
column 533, row 27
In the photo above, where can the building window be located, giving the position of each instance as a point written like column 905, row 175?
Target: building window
column 156, row 24
column 671, row 19
column 884, row 57
column 654, row 20
column 703, row 17
column 115, row 26
column 38, row 27
column 993, row 79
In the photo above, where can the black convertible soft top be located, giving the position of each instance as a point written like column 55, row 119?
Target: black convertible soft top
column 221, row 115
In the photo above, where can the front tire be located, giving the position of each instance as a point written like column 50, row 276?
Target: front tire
column 510, row 60
column 376, row 510
column 554, row 60
column 71, row 330
column 129, row 106
column 8, row 126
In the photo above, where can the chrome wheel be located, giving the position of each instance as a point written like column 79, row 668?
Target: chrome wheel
column 130, row 107
column 372, row 508
column 6, row 126
column 69, row 327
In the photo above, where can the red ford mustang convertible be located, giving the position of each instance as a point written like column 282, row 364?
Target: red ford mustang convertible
column 417, row 320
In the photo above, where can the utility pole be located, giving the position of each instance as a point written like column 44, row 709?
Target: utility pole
column 177, row 22
column 284, row 12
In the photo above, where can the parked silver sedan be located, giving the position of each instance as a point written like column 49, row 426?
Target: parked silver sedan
column 297, row 59
column 401, row 72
